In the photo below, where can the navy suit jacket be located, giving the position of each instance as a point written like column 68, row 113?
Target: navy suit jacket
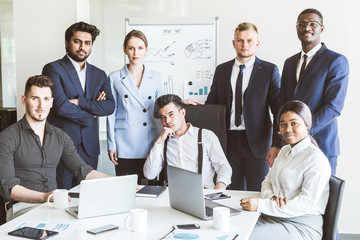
column 78, row 121
column 261, row 93
column 323, row 88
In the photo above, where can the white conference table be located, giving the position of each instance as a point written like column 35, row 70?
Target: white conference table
column 161, row 218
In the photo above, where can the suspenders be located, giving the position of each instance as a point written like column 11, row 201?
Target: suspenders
column 200, row 157
column 200, row 151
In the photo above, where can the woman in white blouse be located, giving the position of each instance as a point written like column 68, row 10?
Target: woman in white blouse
column 295, row 192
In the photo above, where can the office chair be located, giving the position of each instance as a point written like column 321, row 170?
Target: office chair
column 2, row 212
column 332, row 211
column 210, row 117
column 207, row 116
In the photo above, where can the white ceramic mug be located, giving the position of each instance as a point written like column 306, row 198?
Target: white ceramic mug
column 137, row 220
column 221, row 218
column 60, row 197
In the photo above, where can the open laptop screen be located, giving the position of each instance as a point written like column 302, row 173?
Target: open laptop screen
column 105, row 196
column 186, row 191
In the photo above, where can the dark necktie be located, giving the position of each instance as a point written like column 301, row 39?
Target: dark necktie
column 303, row 66
column 238, row 96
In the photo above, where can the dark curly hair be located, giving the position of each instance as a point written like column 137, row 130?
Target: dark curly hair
column 83, row 27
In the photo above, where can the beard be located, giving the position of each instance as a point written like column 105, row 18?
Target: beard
column 77, row 58
column 38, row 117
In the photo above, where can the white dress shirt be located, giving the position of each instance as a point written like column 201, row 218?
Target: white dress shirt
column 301, row 174
column 182, row 152
column 81, row 73
column 309, row 55
column 246, row 78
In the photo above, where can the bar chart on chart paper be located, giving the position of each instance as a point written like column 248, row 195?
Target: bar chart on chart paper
column 201, row 91
column 197, row 89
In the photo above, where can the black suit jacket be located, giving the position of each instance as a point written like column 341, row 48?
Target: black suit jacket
column 261, row 93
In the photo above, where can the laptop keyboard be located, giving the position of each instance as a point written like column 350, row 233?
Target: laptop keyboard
column 208, row 211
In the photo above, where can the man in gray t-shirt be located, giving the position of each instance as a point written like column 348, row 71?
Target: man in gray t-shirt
column 31, row 149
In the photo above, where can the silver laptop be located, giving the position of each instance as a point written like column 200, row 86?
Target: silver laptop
column 186, row 194
column 105, row 196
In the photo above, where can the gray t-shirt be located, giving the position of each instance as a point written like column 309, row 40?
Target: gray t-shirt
column 23, row 161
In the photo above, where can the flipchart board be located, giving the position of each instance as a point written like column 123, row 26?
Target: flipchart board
column 184, row 51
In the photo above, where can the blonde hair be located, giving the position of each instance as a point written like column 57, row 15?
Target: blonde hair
column 246, row 26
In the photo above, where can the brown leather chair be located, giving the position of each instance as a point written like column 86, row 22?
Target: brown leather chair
column 332, row 212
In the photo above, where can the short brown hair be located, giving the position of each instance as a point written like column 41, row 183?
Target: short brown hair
column 246, row 26
column 135, row 33
column 39, row 81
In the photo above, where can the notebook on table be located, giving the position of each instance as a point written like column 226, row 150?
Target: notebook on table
column 105, row 196
column 186, row 193
column 150, row 191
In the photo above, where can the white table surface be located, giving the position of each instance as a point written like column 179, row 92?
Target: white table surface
column 161, row 218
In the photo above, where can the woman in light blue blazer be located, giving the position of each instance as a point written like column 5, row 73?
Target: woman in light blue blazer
column 131, row 129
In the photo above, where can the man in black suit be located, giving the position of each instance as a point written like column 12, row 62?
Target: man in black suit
column 248, row 86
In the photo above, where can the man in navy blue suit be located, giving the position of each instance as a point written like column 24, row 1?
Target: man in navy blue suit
column 248, row 86
column 318, row 77
column 81, row 94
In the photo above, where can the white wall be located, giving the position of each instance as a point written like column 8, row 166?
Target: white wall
column 39, row 39
column 39, row 29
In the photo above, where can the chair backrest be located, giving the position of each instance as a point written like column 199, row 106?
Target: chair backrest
column 207, row 116
column 210, row 117
column 2, row 212
column 332, row 212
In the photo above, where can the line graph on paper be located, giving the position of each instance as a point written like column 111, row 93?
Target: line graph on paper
column 165, row 54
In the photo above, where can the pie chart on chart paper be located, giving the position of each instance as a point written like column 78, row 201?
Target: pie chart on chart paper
column 193, row 51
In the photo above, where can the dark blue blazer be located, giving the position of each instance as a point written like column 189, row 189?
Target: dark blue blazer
column 261, row 93
column 323, row 88
column 78, row 121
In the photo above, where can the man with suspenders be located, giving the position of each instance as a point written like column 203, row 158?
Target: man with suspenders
column 182, row 145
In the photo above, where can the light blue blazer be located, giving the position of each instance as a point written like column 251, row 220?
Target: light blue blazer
column 132, row 128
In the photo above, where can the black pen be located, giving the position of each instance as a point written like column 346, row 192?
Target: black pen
column 167, row 235
column 235, row 236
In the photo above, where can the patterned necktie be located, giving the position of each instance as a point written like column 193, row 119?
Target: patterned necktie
column 238, row 96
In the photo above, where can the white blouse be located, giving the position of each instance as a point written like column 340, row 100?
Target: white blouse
column 301, row 174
